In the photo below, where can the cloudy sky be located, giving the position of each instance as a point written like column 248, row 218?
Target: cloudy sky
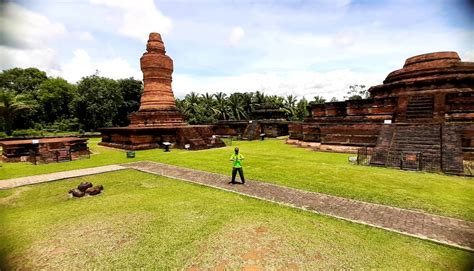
column 304, row 48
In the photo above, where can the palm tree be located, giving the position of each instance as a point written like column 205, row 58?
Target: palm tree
column 301, row 109
column 290, row 107
column 208, row 99
column 247, row 100
column 191, row 103
column 275, row 101
column 10, row 106
column 236, row 105
column 221, row 107
column 259, row 98
column 318, row 100
column 290, row 101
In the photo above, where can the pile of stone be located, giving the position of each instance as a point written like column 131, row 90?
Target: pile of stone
column 86, row 188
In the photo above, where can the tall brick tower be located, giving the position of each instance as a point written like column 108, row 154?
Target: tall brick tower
column 157, row 105
column 158, row 120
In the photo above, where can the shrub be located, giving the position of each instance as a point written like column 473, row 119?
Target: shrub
column 28, row 132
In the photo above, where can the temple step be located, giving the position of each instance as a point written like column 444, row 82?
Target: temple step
column 420, row 107
column 412, row 147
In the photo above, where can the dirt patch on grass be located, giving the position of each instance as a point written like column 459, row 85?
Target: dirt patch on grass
column 94, row 241
column 14, row 196
column 254, row 247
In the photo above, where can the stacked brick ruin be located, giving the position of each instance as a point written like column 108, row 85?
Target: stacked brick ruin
column 158, row 119
column 44, row 150
column 425, row 108
column 265, row 119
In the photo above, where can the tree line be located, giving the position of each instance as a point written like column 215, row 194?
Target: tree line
column 29, row 99
column 209, row 108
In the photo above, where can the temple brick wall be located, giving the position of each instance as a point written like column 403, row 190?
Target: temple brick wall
column 265, row 119
column 44, row 150
column 426, row 107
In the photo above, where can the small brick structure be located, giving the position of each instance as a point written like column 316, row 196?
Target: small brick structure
column 427, row 107
column 44, row 150
column 265, row 119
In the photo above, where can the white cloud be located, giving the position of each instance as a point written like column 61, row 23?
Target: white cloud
column 86, row 36
column 137, row 19
column 468, row 56
column 26, row 38
column 26, row 29
column 42, row 58
column 301, row 83
column 236, row 35
column 82, row 65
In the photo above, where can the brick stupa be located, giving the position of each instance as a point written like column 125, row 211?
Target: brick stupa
column 158, row 119
column 157, row 104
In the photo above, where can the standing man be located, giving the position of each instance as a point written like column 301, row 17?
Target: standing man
column 237, row 158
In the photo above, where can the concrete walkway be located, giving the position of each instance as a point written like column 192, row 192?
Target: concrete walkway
column 439, row 229
column 11, row 183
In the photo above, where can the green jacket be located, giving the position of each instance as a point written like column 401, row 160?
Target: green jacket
column 237, row 159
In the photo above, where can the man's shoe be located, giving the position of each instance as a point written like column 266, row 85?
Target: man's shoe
column 231, row 182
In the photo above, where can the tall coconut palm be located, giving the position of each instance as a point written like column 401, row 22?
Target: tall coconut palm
column 290, row 107
column 221, row 107
column 275, row 101
column 236, row 105
column 290, row 101
column 191, row 103
column 247, row 100
column 259, row 98
column 207, row 99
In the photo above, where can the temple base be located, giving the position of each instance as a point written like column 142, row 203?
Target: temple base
column 165, row 118
column 196, row 137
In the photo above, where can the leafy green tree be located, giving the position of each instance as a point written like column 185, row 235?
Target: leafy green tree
column 28, row 111
column 357, row 92
column 302, row 109
column 333, row 100
column 318, row 100
column 97, row 102
column 131, row 91
column 55, row 96
column 13, row 108
column 22, row 80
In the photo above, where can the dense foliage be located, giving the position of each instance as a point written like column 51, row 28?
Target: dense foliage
column 29, row 99
column 208, row 108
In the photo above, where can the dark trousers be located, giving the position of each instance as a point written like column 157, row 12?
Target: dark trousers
column 241, row 174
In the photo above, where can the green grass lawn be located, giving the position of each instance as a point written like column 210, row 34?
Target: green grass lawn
column 151, row 222
column 275, row 162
